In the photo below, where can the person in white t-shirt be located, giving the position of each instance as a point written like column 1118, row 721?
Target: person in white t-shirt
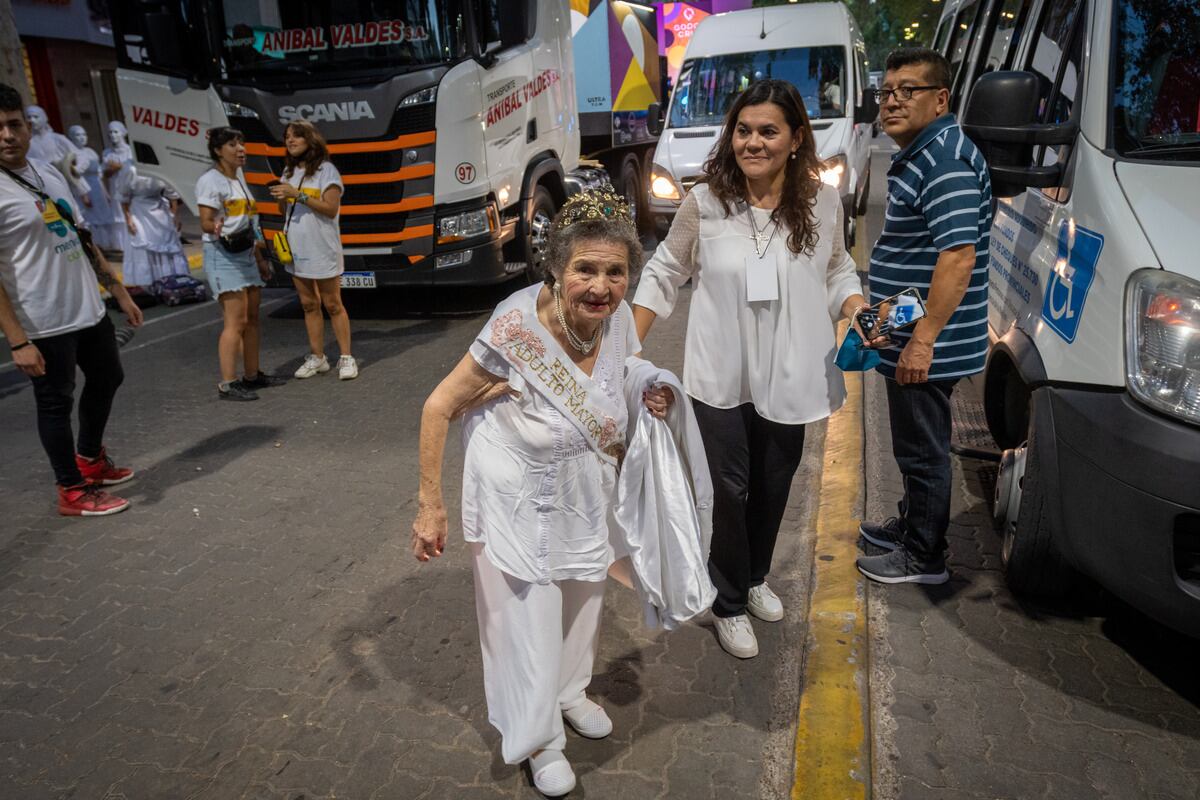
column 312, row 193
column 234, row 264
column 54, row 320
column 761, row 240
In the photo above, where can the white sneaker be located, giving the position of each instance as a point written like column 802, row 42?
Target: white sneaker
column 312, row 365
column 765, row 604
column 347, row 368
column 736, row 636
column 589, row 720
column 552, row 773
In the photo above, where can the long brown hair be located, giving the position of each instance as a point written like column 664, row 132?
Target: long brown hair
column 802, row 174
column 314, row 156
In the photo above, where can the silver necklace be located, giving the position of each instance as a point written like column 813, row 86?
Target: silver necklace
column 757, row 235
column 572, row 337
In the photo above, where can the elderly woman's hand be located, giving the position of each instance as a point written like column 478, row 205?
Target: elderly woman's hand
column 429, row 532
column 658, row 400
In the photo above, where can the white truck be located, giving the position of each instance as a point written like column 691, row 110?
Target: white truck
column 1088, row 112
column 456, row 124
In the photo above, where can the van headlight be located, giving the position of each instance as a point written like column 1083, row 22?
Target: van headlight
column 662, row 184
column 1162, row 340
column 833, row 171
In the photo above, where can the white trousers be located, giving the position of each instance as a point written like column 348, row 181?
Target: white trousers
column 539, row 643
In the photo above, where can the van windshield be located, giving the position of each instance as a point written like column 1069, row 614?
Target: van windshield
column 708, row 86
column 1156, row 93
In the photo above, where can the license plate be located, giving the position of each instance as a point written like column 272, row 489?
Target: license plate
column 358, row 280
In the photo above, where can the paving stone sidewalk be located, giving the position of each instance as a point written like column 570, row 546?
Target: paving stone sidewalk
column 978, row 695
column 256, row 628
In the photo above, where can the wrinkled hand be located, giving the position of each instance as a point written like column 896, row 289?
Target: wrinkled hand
column 132, row 312
column 29, row 360
column 914, row 362
column 429, row 532
column 129, row 223
column 658, row 400
column 284, row 191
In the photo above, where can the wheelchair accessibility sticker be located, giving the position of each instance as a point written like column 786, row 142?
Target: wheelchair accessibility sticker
column 1072, row 275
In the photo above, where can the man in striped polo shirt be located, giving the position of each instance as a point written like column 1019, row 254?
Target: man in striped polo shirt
column 934, row 240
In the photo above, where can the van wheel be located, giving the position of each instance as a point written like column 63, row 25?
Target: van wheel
column 537, row 232
column 866, row 195
column 1032, row 564
column 629, row 186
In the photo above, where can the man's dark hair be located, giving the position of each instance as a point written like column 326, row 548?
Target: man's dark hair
column 10, row 99
column 936, row 65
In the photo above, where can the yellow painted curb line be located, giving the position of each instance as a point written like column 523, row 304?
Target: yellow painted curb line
column 195, row 261
column 832, row 755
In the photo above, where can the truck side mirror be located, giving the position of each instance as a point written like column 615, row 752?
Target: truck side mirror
column 515, row 23
column 1001, row 118
column 868, row 111
column 654, row 121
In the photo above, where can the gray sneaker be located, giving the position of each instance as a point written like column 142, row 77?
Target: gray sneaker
column 236, row 390
column 901, row 566
column 889, row 534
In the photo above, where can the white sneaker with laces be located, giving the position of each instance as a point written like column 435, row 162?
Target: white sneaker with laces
column 312, row 365
column 589, row 720
column 552, row 773
column 347, row 368
column 736, row 636
column 765, row 604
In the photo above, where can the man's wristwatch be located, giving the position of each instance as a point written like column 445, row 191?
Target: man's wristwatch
column 17, row 347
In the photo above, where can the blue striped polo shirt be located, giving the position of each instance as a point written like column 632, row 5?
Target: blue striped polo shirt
column 939, row 197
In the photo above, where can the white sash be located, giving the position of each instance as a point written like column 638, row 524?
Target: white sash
column 520, row 339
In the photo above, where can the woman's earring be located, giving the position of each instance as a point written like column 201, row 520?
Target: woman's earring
column 793, row 155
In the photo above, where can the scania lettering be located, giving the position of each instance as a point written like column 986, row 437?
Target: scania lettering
column 455, row 124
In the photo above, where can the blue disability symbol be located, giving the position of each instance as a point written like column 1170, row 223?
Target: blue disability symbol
column 1070, row 278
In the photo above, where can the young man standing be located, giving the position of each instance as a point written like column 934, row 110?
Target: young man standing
column 54, row 320
column 935, row 240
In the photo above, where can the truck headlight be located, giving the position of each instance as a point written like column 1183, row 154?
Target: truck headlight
column 467, row 224
column 419, row 98
column 833, row 170
column 236, row 110
column 1162, row 340
column 662, row 185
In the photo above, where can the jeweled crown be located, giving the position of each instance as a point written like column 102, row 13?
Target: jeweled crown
column 595, row 204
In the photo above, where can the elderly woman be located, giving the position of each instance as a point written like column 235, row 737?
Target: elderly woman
column 544, row 385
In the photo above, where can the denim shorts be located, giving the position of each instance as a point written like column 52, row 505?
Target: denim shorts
column 229, row 272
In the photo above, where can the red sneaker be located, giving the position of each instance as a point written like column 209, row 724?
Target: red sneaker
column 101, row 471
column 87, row 500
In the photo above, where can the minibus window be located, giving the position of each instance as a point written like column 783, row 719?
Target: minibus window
column 1057, row 60
column 960, row 43
column 1005, row 33
column 1156, row 93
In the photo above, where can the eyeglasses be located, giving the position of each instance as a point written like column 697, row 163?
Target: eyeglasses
column 903, row 93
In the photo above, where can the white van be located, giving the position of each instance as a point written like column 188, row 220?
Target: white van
column 1088, row 112
column 817, row 47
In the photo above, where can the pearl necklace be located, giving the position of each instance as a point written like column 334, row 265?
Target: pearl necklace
column 572, row 337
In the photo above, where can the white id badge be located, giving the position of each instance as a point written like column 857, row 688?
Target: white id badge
column 762, row 278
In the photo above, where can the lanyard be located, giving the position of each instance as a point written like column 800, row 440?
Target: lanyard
column 288, row 222
column 758, row 249
column 38, row 191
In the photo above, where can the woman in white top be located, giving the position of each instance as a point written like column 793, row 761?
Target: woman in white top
column 545, row 378
column 234, row 264
column 154, row 251
column 761, row 239
column 312, row 191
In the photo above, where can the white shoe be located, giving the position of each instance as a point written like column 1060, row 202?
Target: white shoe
column 347, row 368
column 589, row 720
column 552, row 773
column 765, row 604
column 312, row 365
column 736, row 636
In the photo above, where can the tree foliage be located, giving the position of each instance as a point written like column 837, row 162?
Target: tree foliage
column 883, row 23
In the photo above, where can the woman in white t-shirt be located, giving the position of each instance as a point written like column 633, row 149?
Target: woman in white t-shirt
column 312, row 192
column 234, row 263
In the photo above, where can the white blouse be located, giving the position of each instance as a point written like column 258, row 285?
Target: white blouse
column 534, row 492
column 777, row 354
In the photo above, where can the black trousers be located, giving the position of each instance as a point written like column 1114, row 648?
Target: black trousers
column 752, row 462
column 94, row 351
column 921, row 426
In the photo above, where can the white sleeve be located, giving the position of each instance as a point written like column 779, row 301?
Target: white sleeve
column 329, row 176
column 673, row 263
column 841, row 275
column 208, row 193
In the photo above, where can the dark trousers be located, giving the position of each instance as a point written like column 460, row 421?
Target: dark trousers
column 752, row 462
column 94, row 351
column 920, row 417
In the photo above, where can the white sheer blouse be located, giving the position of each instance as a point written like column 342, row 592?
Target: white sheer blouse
column 777, row 354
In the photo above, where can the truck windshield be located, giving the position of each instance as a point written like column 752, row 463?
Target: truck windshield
column 278, row 37
column 1156, row 103
column 708, row 86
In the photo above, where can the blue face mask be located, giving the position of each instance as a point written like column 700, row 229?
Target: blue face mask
column 853, row 357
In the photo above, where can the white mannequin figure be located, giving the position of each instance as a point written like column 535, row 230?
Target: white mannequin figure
column 117, row 169
column 54, row 148
column 108, row 235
